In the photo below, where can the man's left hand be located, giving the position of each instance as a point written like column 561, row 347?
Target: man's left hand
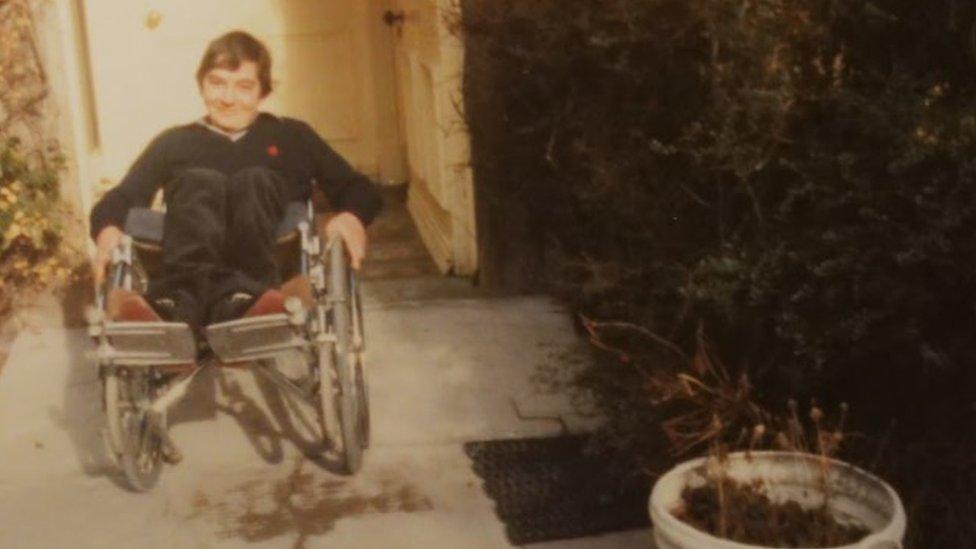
column 348, row 227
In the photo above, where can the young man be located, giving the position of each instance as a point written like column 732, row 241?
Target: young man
column 226, row 180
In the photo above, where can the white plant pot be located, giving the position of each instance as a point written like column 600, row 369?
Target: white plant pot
column 855, row 494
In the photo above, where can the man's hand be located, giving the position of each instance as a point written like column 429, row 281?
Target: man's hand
column 353, row 234
column 108, row 239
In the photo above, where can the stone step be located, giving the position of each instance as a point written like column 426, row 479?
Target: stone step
column 387, row 291
column 398, row 268
column 398, row 249
column 392, row 222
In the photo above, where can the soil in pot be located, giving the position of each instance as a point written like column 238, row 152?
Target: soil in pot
column 743, row 513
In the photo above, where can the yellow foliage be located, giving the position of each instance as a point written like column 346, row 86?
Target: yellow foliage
column 13, row 231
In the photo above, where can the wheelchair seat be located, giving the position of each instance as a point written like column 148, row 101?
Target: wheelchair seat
column 146, row 225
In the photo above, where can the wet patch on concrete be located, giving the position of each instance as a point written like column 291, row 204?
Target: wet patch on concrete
column 305, row 503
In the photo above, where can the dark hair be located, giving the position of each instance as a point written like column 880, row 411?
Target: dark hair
column 230, row 50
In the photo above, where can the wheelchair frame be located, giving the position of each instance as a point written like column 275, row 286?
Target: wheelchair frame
column 146, row 367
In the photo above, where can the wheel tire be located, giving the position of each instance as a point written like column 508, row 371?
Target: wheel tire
column 350, row 414
column 138, row 449
column 352, row 446
column 349, row 400
column 328, row 394
column 111, row 394
column 362, row 392
column 342, row 414
column 362, row 388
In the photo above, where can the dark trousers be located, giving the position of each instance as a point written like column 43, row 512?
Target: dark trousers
column 218, row 239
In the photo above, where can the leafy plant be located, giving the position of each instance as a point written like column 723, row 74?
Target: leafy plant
column 32, row 251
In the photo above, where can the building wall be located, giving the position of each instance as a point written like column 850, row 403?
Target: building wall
column 430, row 66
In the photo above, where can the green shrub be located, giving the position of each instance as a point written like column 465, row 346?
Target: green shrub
column 778, row 168
column 798, row 177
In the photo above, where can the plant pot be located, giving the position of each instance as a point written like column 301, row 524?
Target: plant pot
column 854, row 494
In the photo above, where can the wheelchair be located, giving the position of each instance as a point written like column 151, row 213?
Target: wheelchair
column 146, row 367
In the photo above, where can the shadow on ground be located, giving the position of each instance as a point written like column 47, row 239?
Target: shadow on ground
column 267, row 417
column 301, row 503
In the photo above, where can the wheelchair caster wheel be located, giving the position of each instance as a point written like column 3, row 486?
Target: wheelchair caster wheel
column 131, row 433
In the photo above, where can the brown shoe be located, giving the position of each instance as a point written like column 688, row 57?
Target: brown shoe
column 128, row 306
column 270, row 302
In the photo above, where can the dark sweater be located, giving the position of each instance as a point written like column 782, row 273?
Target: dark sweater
column 287, row 146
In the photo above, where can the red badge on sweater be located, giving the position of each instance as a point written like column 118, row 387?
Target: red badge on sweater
column 272, row 150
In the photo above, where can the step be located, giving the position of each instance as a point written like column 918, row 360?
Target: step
column 398, row 268
column 392, row 223
column 398, row 249
column 388, row 291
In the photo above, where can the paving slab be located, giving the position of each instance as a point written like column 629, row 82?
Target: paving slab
column 442, row 372
column 631, row 539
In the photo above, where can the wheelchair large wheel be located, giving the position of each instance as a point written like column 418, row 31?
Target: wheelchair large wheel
column 340, row 408
column 350, row 401
column 135, row 442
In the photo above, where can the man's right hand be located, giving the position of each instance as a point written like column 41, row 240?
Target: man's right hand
column 106, row 241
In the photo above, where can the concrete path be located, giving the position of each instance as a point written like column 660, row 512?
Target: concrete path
column 442, row 372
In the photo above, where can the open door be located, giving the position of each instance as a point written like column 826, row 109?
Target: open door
column 429, row 65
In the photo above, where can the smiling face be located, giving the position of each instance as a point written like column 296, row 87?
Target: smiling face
column 232, row 96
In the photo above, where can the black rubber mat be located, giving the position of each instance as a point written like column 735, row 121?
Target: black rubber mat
column 550, row 488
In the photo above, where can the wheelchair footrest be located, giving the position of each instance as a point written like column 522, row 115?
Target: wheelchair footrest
column 254, row 338
column 149, row 343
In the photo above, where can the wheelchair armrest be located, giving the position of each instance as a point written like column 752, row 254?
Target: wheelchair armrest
column 146, row 225
column 295, row 213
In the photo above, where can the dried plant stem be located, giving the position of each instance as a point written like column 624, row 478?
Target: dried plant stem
column 593, row 326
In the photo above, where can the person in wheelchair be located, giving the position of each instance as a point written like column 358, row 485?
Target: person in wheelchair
column 227, row 180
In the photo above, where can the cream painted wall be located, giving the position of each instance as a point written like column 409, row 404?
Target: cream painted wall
column 430, row 63
column 389, row 140
column 456, row 144
column 144, row 53
column 67, row 109
column 58, row 51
